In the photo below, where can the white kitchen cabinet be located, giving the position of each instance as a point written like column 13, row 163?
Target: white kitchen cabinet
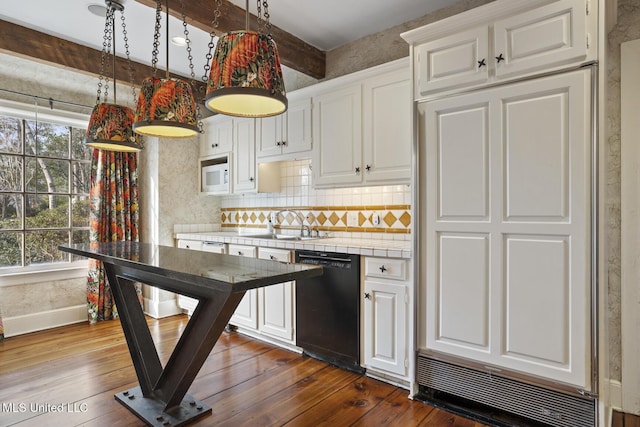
column 218, row 136
column 247, row 175
column 337, row 136
column 195, row 245
column 246, row 313
column 275, row 302
column 386, row 308
column 453, row 61
column 542, row 38
column 185, row 302
column 386, row 123
column 505, row 227
column 287, row 135
column 244, row 156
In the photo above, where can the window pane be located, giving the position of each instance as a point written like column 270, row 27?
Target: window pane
column 10, row 250
column 79, row 150
column 10, row 173
column 47, row 211
column 42, row 246
column 47, row 176
column 79, row 236
column 80, row 177
column 53, row 140
column 80, row 211
column 10, row 135
column 30, row 137
column 10, row 211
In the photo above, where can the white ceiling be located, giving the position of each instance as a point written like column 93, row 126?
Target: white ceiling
column 325, row 24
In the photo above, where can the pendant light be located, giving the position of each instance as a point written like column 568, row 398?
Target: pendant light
column 166, row 106
column 246, row 77
column 110, row 125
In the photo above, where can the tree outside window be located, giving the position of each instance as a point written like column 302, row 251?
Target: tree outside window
column 44, row 191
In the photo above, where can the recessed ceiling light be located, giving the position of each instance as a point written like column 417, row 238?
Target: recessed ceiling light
column 98, row 10
column 179, row 41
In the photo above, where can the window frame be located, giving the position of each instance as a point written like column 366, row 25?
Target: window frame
column 10, row 276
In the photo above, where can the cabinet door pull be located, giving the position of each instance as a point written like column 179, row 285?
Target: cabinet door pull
column 284, row 143
column 251, row 179
column 500, row 58
column 358, row 170
column 368, row 168
column 383, row 269
column 214, row 145
column 367, row 295
column 482, row 63
column 240, row 253
column 278, row 143
column 272, row 257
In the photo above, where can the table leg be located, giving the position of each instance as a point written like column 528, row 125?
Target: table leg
column 161, row 399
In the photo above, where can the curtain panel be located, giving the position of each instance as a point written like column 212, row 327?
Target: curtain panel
column 1, row 328
column 114, row 217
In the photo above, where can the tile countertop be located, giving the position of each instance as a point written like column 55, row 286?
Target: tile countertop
column 366, row 247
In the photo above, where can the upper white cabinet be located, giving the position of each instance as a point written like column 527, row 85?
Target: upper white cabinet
column 287, row 135
column 244, row 155
column 217, row 137
column 337, row 131
column 453, row 61
column 362, row 129
column 542, row 38
column 249, row 177
column 505, row 44
column 386, row 124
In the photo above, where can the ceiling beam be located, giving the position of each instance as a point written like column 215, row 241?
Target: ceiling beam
column 294, row 53
column 25, row 42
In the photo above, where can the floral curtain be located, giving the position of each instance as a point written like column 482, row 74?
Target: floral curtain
column 114, row 217
column 1, row 329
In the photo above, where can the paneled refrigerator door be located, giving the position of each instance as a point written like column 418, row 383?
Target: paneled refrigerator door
column 505, row 227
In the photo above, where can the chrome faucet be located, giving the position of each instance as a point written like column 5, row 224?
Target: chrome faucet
column 300, row 219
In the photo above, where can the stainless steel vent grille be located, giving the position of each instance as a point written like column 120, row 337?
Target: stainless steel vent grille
column 529, row 401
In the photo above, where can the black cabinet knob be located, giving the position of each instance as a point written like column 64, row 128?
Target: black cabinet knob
column 272, row 257
column 482, row 63
column 367, row 295
column 240, row 253
column 383, row 269
column 251, row 179
column 368, row 168
column 358, row 170
column 500, row 58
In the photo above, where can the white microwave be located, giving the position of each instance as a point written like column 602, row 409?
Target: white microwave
column 215, row 178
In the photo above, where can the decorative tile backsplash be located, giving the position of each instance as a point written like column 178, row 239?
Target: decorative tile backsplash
column 334, row 210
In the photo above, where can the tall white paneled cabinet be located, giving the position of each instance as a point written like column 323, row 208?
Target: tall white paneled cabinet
column 504, row 190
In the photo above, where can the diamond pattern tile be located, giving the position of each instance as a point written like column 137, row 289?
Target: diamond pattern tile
column 390, row 219
column 405, row 219
column 334, row 218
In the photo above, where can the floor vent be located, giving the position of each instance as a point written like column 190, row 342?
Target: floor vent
column 532, row 402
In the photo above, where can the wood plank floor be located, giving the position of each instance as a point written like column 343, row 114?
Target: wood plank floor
column 245, row 381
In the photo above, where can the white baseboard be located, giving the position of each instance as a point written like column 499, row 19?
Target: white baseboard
column 19, row 325
column 615, row 395
column 160, row 309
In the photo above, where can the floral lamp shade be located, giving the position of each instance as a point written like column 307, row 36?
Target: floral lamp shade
column 246, row 76
column 166, row 108
column 110, row 128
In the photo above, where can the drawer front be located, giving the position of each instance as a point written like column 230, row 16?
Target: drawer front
column 190, row 244
column 386, row 267
column 275, row 254
column 243, row 250
column 214, row 247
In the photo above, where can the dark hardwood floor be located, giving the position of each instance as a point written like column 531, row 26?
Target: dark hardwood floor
column 77, row 369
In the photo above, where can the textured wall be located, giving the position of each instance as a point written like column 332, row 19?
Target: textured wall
column 37, row 297
column 627, row 28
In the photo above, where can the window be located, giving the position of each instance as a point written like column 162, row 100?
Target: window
column 44, row 187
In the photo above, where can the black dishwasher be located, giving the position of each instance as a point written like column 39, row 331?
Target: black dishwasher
column 328, row 309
